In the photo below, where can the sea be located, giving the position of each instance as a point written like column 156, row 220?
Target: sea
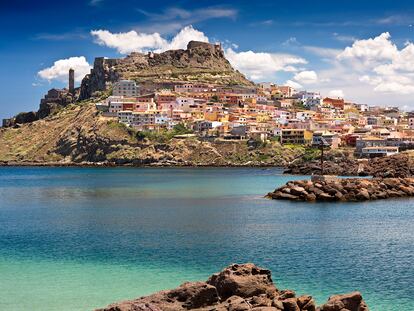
column 81, row 238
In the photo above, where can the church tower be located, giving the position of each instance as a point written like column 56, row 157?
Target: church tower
column 71, row 81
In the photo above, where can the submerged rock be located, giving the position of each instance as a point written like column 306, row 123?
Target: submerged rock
column 239, row 287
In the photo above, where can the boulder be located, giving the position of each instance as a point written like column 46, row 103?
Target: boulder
column 245, row 280
column 306, row 303
column 325, row 197
column 195, row 295
column 346, row 302
column 363, row 194
column 290, row 304
column 297, row 190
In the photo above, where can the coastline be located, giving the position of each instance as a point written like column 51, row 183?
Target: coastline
column 114, row 165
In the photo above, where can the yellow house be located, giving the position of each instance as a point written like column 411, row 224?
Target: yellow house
column 262, row 117
column 223, row 118
column 211, row 115
column 296, row 136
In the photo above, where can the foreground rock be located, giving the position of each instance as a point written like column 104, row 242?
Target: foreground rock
column 237, row 288
column 327, row 188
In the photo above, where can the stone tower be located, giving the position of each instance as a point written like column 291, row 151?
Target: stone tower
column 71, row 81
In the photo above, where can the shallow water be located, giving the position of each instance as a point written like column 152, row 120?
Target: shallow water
column 80, row 238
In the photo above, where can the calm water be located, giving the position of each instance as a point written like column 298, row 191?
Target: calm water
column 77, row 239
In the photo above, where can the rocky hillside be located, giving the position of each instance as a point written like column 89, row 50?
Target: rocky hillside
column 78, row 134
column 237, row 288
column 200, row 62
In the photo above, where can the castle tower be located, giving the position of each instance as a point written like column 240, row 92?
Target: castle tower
column 71, row 81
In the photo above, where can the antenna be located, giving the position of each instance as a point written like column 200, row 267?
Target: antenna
column 323, row 144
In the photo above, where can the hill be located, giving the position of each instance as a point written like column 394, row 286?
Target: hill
column 200, row 62
column 78, row 134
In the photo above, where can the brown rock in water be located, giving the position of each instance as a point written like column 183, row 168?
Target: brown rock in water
column 347, row 302
column 329, row 189
column 243, row 287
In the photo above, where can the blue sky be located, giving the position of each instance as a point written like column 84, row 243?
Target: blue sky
column 361, row 50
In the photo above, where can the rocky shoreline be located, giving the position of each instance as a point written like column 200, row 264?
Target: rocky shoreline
column 344, row 164
column 239, row 287
column 330, row 188
column 170, row 164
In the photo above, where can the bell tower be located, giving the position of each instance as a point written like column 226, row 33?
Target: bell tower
column 71, row 81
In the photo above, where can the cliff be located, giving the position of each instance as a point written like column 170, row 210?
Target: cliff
column 238, row 287
column 79, row 135
column 200, row 62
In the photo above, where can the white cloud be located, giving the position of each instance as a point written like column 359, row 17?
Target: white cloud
column 370, row 52
column 181, row 40
column 306, row 77
column 336, row 93
column 132, row 41
column 385, row 67
column 291, row 42
column 344, row 38
column 373, row 71
column 127, row 42
column 323, row 51
column 60, row 69
column 259, row 65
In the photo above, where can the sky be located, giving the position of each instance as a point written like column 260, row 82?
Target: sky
column 360, row 50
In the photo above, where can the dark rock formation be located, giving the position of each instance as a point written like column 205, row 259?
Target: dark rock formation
column 26, row 117
column 324, row 188
column 399, row 165
column 53, row 101
column 200, row 62
column 237, row 288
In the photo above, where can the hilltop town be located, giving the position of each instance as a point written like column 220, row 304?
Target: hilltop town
column 189, row 100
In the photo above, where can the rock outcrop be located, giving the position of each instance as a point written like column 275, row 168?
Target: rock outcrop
column 239, row 287
column 344, row 164
column 200, row 62
column 53, row 101
column 322, row 188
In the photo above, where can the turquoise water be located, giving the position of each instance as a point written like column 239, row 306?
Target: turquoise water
column 80, row 238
